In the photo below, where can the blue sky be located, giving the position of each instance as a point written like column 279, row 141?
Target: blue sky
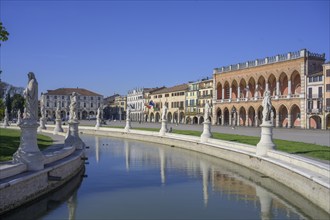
column 114, row 46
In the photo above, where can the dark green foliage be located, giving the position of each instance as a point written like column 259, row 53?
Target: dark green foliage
column 3, row 33
column 17, row 104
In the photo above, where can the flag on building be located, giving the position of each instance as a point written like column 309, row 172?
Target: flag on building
column 150, row 105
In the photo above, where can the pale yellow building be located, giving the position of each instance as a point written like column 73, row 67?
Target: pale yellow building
column 191, row 103
column 174, row 97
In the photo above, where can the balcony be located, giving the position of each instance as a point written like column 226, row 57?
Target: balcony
column 314, row 96
column 260, row 98
column 205, row 96
column 314, row 111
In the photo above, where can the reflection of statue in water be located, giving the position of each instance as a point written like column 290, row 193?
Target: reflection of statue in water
column 207, row 112
column 73, row 107
column 267, row 107
column 31, row 98
column 164, row 112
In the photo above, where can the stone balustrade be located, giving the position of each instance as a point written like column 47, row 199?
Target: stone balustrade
column 269, row 60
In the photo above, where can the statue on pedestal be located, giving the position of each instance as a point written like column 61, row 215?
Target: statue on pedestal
column 266, row 141
column 207, row 111
column 31, row 98
column 206, row 124
column 43, row 115
column 164, row 129
column 72, row 138
column 73, row 107
column 128, row 118
column 6, row 118
column 98, row 118
column 267, row 107
column 58, row 111
column 28, row 151
column 164, row 114
column 19, row 117
column 128, row 113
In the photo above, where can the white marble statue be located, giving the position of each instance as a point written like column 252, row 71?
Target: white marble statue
column 6, row 114
column 19, row 116
column 31, row 98
column 42, row 109
column 58, row 111
column 207, row 111
column 24, row 112
column 267, row 107
column 164, row 114
column 128, row 113
column 73, row 107
column 98, row 116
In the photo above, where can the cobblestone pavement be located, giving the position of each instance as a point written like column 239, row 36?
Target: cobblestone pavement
column 321, row 137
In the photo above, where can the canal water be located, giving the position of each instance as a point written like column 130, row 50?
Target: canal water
column 140, row 180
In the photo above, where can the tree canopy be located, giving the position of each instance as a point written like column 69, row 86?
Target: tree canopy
column 3, row 33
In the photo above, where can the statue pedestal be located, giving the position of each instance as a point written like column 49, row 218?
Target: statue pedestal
column 72, row 138
column 28, row 151
column 163, row 129
column 58, row 126
column 98, row 123
column 42, row 124
column 128, row 125
column 266, row 142
column 206, row 131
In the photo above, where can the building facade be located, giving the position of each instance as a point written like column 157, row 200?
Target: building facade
column 314, row 100
column 197, row 95
column 326, row 103
column 137, row 100
column 205, row 94
column 114, row 107
column 239, row 89
column 88, row 102
column 174, row 97
column 191, row 103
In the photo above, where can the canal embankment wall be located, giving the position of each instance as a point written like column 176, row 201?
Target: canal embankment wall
column 20, row 186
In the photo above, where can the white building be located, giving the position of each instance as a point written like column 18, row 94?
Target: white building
column 136, row 99
column 88, row 102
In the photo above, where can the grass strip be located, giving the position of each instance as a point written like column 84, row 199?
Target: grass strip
column 10, row 140
column 292, row 147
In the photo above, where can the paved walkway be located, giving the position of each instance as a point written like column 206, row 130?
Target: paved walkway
column 320, row 137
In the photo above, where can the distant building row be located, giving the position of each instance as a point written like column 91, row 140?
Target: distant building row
column 299, row 83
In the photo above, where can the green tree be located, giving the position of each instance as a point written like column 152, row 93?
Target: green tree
column 3, row 33
column 3, row 37
column 17, row 103
column 2, row 109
